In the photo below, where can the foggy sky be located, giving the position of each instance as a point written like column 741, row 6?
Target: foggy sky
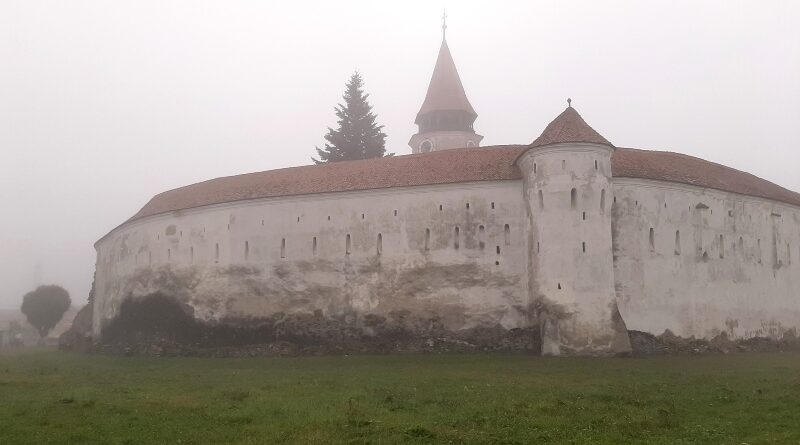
column 105, row 103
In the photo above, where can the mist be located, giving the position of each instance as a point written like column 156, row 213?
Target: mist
column 105, row 104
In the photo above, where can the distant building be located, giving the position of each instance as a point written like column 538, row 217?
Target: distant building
column 568, row 236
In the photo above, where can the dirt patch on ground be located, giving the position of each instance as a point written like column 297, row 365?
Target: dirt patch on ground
column 643, row 344
column 159, row 325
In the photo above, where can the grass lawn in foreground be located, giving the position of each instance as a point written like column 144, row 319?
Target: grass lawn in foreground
column 49, row 397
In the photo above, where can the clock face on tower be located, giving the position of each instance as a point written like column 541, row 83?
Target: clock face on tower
column 425, row 146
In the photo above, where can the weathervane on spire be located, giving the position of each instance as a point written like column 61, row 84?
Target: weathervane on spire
column 444, row 23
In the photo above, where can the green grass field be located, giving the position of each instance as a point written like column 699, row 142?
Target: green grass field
column 49, row 397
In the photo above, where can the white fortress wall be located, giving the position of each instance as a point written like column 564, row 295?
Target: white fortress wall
column 449, row 254
column 700, row 261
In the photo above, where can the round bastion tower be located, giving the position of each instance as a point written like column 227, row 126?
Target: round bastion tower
column 446, row 117
column 567, row 184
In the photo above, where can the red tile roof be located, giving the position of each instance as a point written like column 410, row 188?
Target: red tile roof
column 684, row 169
column 445, row 91
column 569, row 126
column 446, row 167
column 438, row 167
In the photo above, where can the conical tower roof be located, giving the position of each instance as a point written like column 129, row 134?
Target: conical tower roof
column 568, row 127
column 445, row 92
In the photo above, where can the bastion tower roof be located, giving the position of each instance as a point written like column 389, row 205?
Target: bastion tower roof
column 569, row 127
column 446, row 116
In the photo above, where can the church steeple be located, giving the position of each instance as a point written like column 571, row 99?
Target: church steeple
column 446, row 116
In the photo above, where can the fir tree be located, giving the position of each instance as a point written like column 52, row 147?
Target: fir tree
column 358, row 136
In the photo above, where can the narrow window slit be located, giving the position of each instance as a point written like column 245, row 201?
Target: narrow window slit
column 602, row 200
column 573, row 198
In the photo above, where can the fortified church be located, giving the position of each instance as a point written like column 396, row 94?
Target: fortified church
column 562, row 245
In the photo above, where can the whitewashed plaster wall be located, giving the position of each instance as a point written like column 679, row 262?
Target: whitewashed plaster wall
column 455, row 253
column 700, row 262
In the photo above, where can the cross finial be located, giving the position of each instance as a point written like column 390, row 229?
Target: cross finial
column 444, row 23
column 569, row 102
